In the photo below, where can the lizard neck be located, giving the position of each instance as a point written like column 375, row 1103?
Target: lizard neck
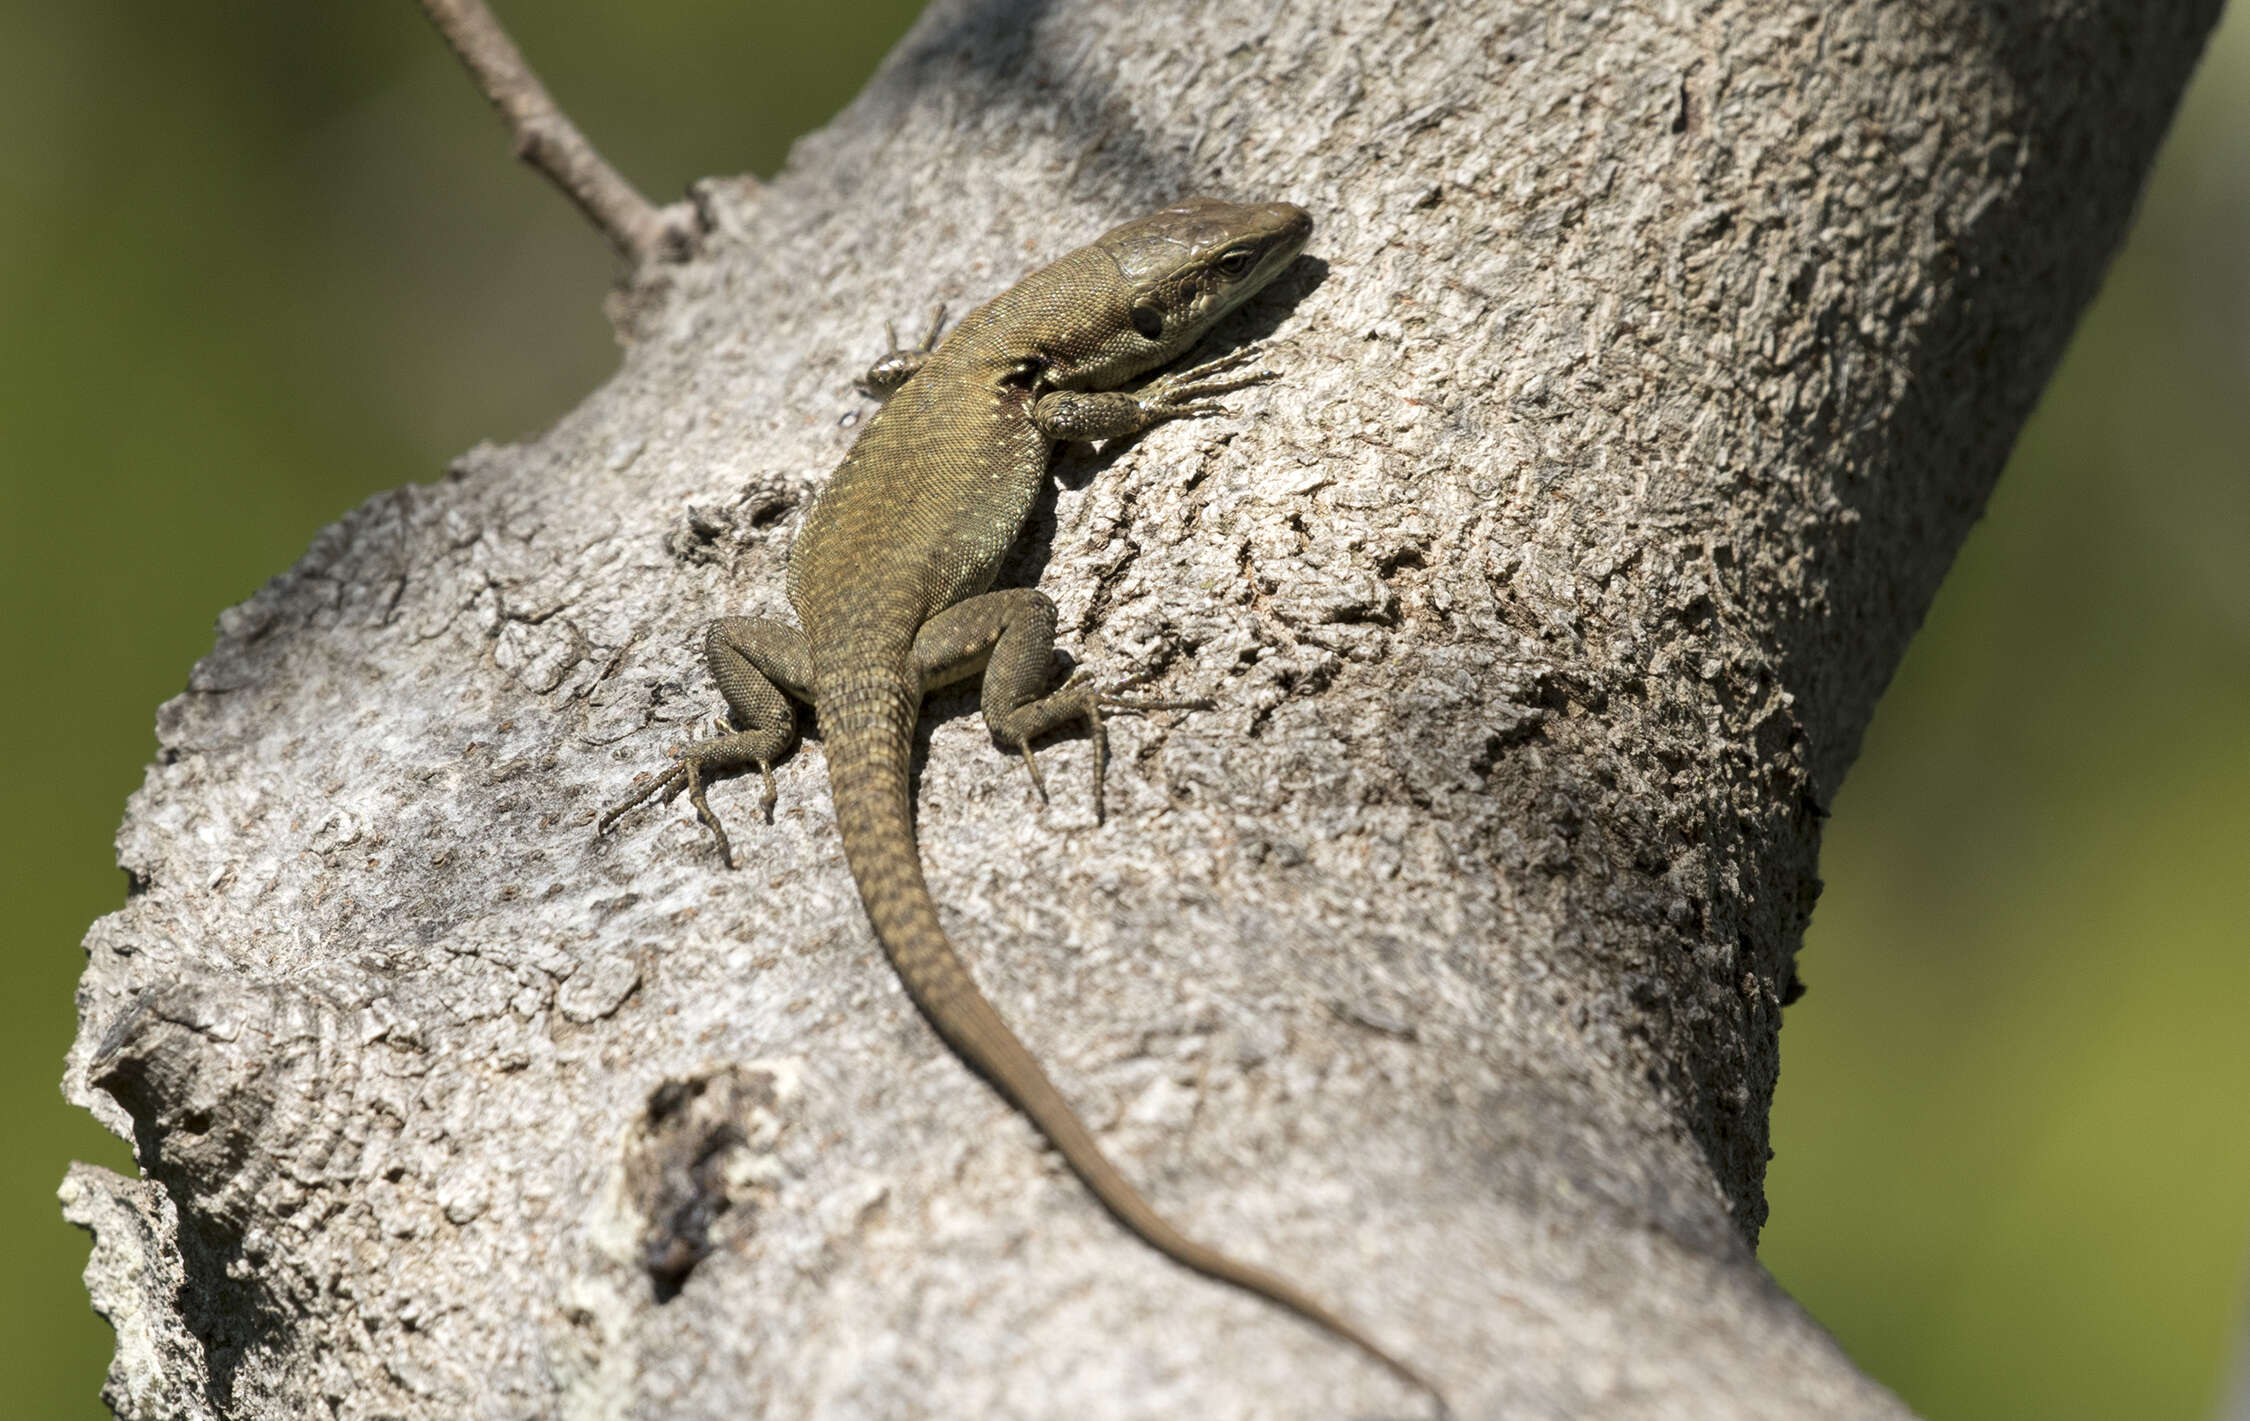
column 923, row 508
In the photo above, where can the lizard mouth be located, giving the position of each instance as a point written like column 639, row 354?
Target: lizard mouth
column 1287, row 227
column 1295, row 226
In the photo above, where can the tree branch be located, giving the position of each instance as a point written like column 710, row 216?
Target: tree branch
column 546, row 139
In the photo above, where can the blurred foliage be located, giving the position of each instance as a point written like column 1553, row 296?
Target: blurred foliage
column 263, row 259
column 2012, row 1142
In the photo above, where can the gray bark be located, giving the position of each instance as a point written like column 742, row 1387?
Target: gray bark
column 1652, row 363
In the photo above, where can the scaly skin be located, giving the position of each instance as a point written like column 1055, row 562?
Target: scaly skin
column 890, row 579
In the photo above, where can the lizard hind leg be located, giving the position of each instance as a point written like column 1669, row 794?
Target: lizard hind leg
column 755, row 661
column 1010, row 636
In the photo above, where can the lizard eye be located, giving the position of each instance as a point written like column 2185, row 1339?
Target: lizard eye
column 1149, row 322
column 1237, row 262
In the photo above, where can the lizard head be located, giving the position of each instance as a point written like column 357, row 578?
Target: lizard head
column 1185, row 266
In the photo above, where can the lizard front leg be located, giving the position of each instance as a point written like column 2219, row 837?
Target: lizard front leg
column 1010, row 636
column 898, row 364
column 1066, row 415
column 754, row 660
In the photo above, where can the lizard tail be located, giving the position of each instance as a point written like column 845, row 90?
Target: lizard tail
column 867, row 767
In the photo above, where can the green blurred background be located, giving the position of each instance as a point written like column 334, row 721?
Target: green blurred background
column 260, row 260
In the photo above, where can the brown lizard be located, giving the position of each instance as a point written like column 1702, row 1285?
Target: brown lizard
column 891, row 576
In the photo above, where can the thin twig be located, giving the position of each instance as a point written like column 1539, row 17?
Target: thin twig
column 550, row 142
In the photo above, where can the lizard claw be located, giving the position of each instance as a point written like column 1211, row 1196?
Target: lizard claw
column 703, row 811
column 1079, row 699
column 1233, row 359
column 669, row 784
column 1031, row 764
column 686, row 773
column 1189, row 393
column 937, row 325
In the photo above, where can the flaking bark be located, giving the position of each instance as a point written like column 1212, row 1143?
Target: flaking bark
column 1650, row 365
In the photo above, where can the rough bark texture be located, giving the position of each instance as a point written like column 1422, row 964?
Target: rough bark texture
column 1652, row 363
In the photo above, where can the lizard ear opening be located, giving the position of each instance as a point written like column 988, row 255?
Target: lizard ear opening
column 1149, row 322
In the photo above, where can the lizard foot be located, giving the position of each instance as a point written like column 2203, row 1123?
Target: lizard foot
column 727, row 751
column 1193, row 392
column 1080, row 700
column 898, row 364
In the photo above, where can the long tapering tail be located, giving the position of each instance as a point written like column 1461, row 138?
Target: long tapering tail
column 868, row 741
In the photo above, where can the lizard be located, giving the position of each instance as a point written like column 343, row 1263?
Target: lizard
column 891, row 578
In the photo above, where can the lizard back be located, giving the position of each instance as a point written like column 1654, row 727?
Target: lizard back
column 925, row 506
